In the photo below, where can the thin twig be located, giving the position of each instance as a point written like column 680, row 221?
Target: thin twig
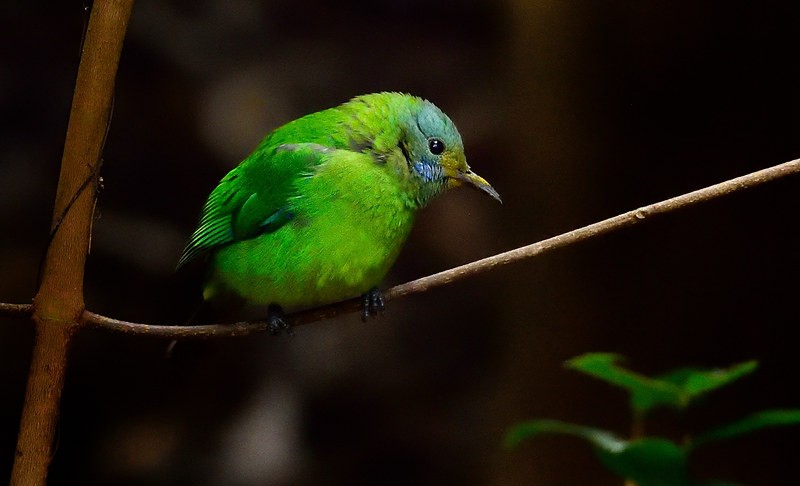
column 16, row 310
column 443, row 278
column 90, row 319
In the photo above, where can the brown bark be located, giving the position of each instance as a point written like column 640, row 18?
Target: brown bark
column 58, row 305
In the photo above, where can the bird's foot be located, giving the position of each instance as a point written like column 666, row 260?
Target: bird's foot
column 371, row 303
column 276, row 322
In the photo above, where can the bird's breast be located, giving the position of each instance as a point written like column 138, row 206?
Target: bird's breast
column 349, row 226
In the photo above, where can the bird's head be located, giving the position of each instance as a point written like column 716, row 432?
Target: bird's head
column 434, row 153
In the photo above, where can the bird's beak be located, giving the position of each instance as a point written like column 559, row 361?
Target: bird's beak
column 475, row 181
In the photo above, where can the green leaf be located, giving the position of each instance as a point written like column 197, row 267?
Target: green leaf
column 646, row 393
column 751, row 423
column 676, row 389
column 649, row 462
column 695, row 382
column 599, row 438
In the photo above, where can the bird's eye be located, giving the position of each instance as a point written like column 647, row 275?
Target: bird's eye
column 436, row 146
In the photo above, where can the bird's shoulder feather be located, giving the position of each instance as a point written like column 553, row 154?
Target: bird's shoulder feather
column 254, row 198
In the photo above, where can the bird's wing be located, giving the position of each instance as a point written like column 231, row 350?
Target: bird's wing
column 253, row 198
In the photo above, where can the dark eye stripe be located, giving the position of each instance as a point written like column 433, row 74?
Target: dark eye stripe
column 404, row 150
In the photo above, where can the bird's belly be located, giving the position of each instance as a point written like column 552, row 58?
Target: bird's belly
column 305, row 263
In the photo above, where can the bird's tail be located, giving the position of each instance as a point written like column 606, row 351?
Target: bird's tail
column 193, row 319
column 214, row 311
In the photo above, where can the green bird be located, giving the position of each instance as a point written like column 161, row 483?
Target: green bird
column 320, row 210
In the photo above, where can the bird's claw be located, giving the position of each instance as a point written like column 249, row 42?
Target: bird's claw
column 371, row 303
column 276, row 323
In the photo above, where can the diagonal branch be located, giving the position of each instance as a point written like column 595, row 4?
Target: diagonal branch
column 630, row 218
column 424, row 284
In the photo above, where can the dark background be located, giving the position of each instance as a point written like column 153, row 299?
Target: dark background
column 575, row 111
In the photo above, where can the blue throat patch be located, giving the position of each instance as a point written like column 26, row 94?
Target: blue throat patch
column 429, row 172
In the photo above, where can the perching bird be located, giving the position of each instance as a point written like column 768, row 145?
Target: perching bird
column 319, row 212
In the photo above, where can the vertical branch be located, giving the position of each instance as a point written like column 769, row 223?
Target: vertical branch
column 58, row 305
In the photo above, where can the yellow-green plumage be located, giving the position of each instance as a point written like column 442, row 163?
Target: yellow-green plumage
column 319, row 212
